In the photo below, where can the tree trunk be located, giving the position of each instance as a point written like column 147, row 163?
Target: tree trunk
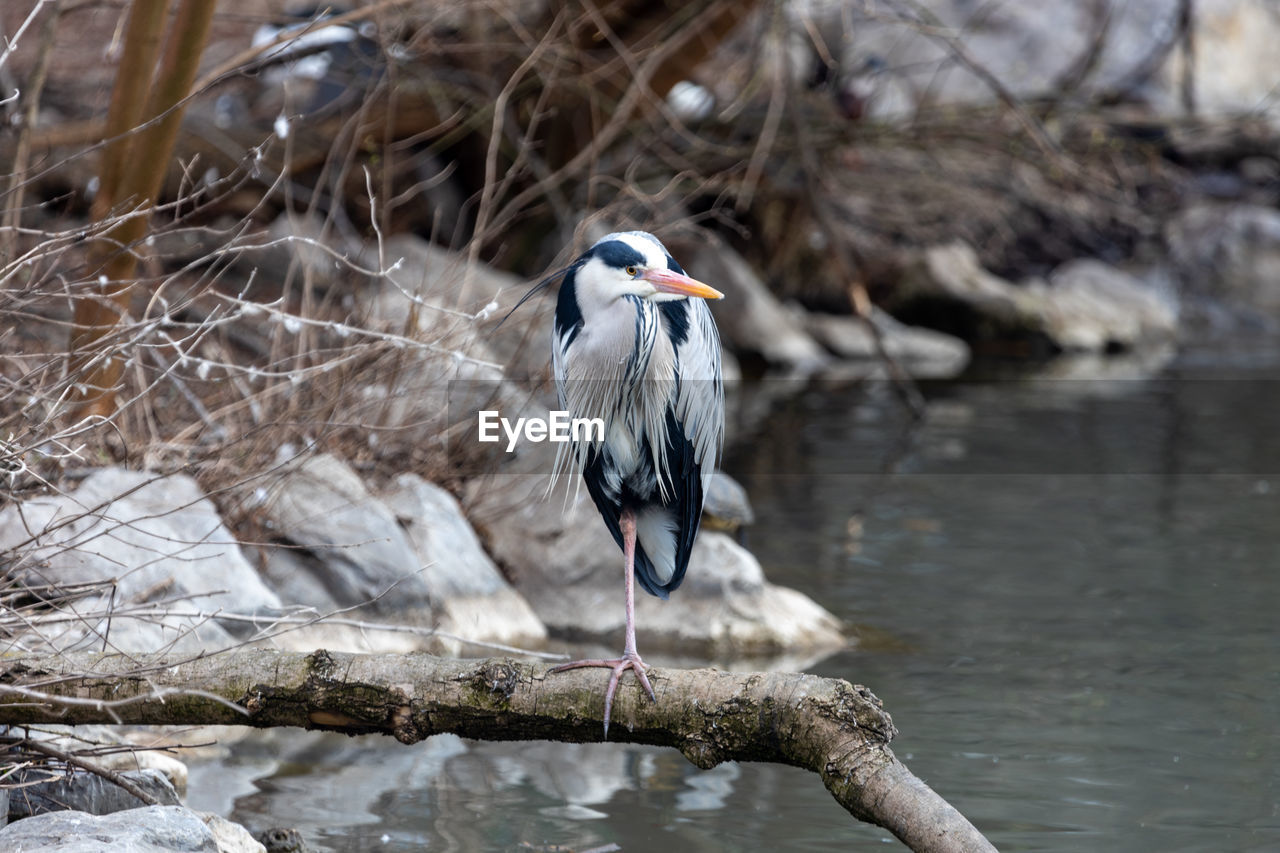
column 831, row 727
column 133, row 170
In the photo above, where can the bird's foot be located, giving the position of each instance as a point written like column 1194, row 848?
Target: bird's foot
column 629, row 660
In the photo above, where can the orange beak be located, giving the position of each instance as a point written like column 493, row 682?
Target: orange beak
column 670, row 281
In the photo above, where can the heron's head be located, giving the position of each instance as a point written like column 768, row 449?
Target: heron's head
column 634, row 263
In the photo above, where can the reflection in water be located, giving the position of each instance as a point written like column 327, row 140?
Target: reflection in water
column 1067, row 593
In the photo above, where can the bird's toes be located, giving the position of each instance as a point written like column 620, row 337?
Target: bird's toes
column 608, row 697
column 644, row 681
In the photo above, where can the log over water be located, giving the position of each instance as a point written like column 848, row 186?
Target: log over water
column 836, row 729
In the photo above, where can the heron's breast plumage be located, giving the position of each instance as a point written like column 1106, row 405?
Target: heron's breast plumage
column 622, row 371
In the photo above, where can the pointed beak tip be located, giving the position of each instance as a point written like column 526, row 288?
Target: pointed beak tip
column 674, row 282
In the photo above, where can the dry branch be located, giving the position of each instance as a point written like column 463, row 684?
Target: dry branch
column 90, row 767
column 829, row 726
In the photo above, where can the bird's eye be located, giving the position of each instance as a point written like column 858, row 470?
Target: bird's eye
column 631, row 271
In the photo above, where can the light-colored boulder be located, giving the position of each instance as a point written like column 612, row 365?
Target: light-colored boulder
column 920, row 351
column 1033, row 48
column 409, row 556
column 562, row 559
column 953, row 273
column 153, row 538
column 343, row 536
column 750, row 318
column 453, row 307
column 1092, row 306
column 461, row 303
column 470, row 598
column 231, row 837
column 295, row 247
column 141, row 529
column 1085, row 305
column 153, row 829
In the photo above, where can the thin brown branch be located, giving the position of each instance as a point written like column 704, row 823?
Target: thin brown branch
column 111, row 776
column 1083, row 67
column 128, row 98
column 1146, row 67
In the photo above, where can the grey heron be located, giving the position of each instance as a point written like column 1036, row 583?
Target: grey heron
column 630, row 347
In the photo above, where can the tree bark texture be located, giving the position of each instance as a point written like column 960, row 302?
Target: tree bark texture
column 836, row 729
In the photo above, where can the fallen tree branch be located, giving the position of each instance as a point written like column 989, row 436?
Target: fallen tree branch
column 831, row 727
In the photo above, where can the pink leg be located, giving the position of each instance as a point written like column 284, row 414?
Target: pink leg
column 630, row 657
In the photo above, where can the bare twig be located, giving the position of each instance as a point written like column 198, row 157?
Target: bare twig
column 22, row 150
column 111, row 776
column 11, row 43
column 842, row 253
column 929, row 26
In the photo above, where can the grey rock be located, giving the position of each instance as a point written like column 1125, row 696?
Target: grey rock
column 470, row 596
column 88, row 792
column 72, row 738
column 347, row 547
column 1092, row 306
column 1031, row 48
column 299, row 577
column 154, row 829
column 750, row 318
column 443, row 278
column 301, row 245
column 920, row 351
column 1085, row 306
column 453, row 561
column 453, row 307
column 156, row 537
column 231, row 837
column 726, row 505
column 341, row 536
column 282, row 840
column 142, row 529
column 454, row 300
column 953, row 273
column 561, row 558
